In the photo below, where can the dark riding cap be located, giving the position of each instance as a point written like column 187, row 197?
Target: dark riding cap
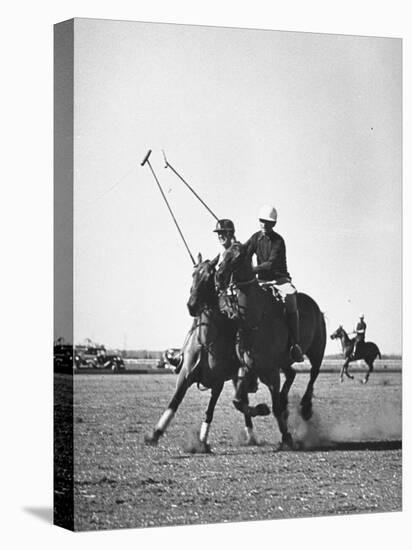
column 224, row 225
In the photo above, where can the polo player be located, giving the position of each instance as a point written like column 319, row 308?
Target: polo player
column 271, row 270
column 360, row 334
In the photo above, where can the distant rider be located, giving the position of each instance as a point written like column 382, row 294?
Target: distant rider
column 360, row 334
column 271, row 270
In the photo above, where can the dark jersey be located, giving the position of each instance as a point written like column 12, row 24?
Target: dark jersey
column 360, row 331
column 270, row 252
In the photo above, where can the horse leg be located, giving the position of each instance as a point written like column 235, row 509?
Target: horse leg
column 251, row 438
column 280, row 415
column 167, row 416
column 342, row 370
column 205, row 427
column 370, row 369
column 241, row 401
column 315, row 355
column 290, row 374
column 347, row 370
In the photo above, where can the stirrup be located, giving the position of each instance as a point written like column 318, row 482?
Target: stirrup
column 296, row 353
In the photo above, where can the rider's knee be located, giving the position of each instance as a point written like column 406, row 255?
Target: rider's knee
column 291, row 303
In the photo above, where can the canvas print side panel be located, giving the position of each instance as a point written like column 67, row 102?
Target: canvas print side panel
column 63, row 275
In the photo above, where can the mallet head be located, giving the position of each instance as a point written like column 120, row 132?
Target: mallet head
column 149, row 152
column 165, row 159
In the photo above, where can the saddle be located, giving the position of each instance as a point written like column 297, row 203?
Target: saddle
column 269, row 287
column 356, row 351
column 228, row 303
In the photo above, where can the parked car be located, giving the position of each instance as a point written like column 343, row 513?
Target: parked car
column 97, row 357
column 172, row 358
column 63, row 357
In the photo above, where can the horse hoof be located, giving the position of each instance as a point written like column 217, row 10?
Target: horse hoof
column 204, row 448
column 341, row 380
column 306, row 412
column 198, row 447
column 207, row 449
column 287, row 444
column 251, row 441
column 151, row 439
column 260, row 410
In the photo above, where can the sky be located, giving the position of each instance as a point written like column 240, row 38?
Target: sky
column 310, row 123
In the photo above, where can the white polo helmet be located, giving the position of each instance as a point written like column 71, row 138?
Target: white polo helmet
column 268, row 213
column 361, row 315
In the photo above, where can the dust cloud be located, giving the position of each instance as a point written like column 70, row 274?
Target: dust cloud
column 323, row 432
column 193, row 445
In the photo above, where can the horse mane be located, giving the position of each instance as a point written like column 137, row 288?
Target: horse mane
column 243, row 258
column 345, row 334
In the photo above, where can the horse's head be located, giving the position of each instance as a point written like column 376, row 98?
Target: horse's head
column 233, row 260
column 202, row 291
column 338, row 333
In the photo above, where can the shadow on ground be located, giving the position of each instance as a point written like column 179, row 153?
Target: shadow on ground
column 44, row 513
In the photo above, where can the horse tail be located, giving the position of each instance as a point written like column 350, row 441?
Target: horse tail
column 316, row 350
column 322, row 327
column 374, row 349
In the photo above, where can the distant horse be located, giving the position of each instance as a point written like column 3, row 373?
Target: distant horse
column 263, row 334
column 209, row 357
column 368, row 351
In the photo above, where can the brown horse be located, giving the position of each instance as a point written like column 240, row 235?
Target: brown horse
column 263, row 339
column 368, row 351
column 209, row 357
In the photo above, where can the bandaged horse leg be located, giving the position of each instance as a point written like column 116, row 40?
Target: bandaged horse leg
column 251, row 438
column 292, row 315
column 205, row 427
column 168, row 414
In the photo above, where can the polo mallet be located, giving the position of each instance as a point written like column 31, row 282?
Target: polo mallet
column 168, row 165
column 147, row 161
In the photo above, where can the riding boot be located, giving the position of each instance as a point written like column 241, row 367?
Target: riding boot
column 296, row 353
column 354, row 351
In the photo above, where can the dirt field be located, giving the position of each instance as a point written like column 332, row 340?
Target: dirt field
column 352, row 463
